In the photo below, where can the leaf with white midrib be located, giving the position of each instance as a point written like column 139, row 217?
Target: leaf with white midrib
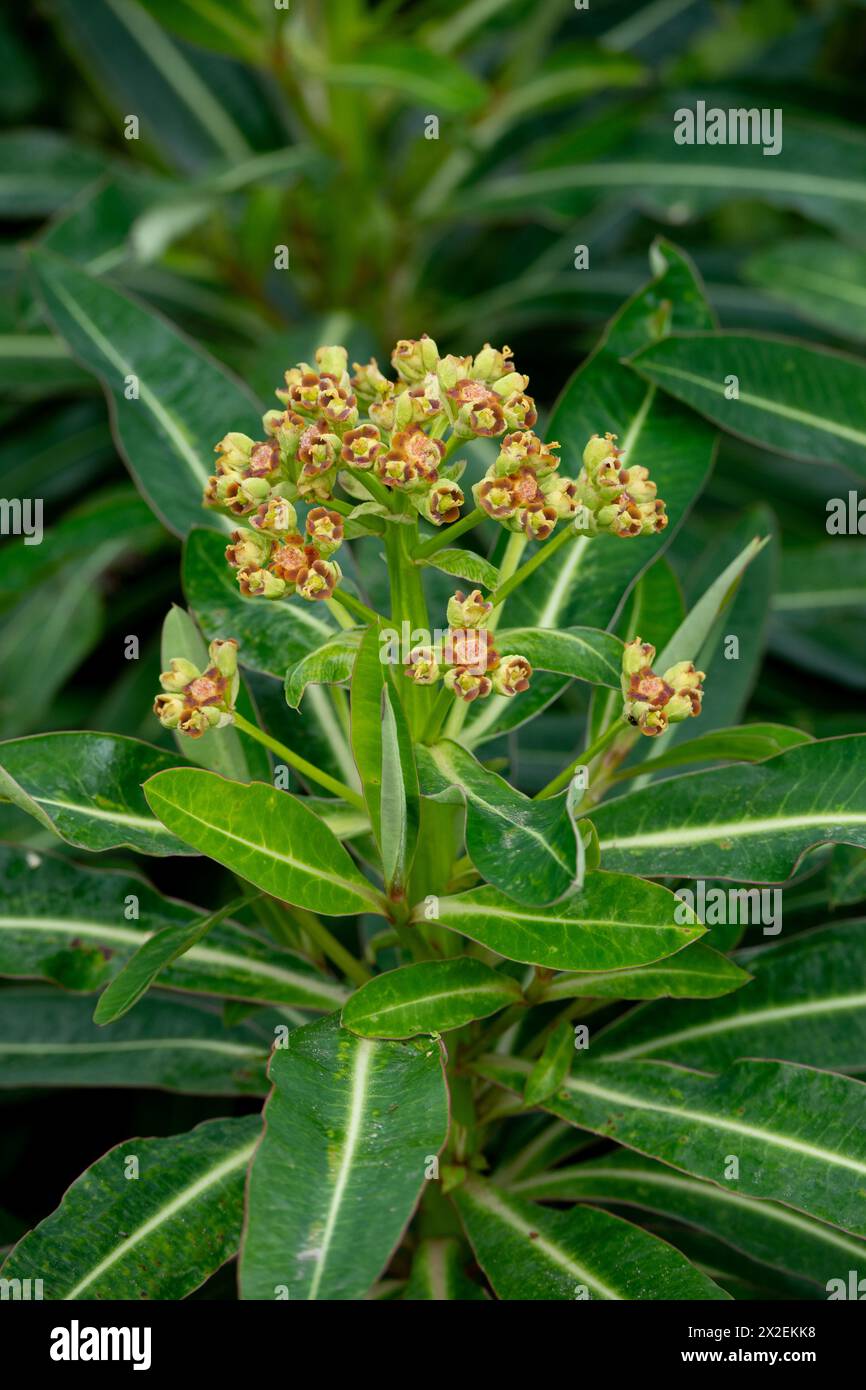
column 530, row 1252
column 158, row 1237
column 804, row 1130
column 806, row 1003
column 750, row 822
column 349, row 1128
column 763, row 1230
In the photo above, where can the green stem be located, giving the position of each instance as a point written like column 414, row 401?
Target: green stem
column 328, row 944
column 372, row 484
column 354, row 605
column 451, row 533
column 306, row 769
column 541, row 556
column 517, row 543
column 339, row 614
column 583, row 759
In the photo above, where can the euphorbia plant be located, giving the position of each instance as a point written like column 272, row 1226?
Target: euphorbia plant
column 436, row 996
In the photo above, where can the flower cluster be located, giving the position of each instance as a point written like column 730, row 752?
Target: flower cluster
column 195, row 701
column 614, row 498
column 653, row 702
column 274, row 559
column 467, row 662
column 522, row 488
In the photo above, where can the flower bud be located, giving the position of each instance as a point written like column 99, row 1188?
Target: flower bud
column 260, row 583
column 319, row 580
column 636, row 656
column 325, row 529
column 368, row 383
column 510, row 383
column 489, row 364
column 451, row 369
column 425, row 399
column 413, row 359
column 512, row 675
column 168, row 710
column 234, row 450
column 468, row 611
column 223, row 653
column 245, row 495
column 332, row 360
column 598, row 451
column 179, row 674
column 248, row 550
column 422, row 666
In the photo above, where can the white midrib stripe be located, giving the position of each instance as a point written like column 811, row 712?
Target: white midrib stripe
column 357, row 1098
column 703, row 834
column 718, row 1122
column 439, row 755
column 479, row 910
column 208, row 955
column 787, row 412
column 97, row 813
column 183, row 1199
column 170, row 425
column 141, row 1045
column 495, row 991
column 744, row 1020
column 327, row 875
column 489, row 1202
column 718, row 175
column 712, row 1192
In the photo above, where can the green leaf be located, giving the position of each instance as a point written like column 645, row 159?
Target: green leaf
column 792, row 399
column 529, row 849
column 265, row 836
column 698, row 972
column 750, row 822
column 465, row 564
column 820, row 279
column 47, row 1038
column 77, row 927
column 806, row 1003
column 400, row 802
column 764, row 1230
column 431, row 997
column 186, row 401
column 529, row 1252
column 438, row 1273
column 799, row 1134
column 330, row 664
column 158, row 1236
column 747, row 743
column 219, row 750
column 583, row 653
column 817, row 607
column 42, row 170
column 226, row 26
column 402, row 68
column 351, row 1126
column 86, row 788
column 818, row 174
column 587, row 582
column 847, row 876
column 553, row 1065
column 615, row 922
column 270, row 635
column 140, row 972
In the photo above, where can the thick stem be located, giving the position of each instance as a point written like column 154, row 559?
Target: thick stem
column 329, row 946
column 306, row 769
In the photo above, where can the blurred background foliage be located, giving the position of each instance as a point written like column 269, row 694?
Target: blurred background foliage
column 307, row 127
